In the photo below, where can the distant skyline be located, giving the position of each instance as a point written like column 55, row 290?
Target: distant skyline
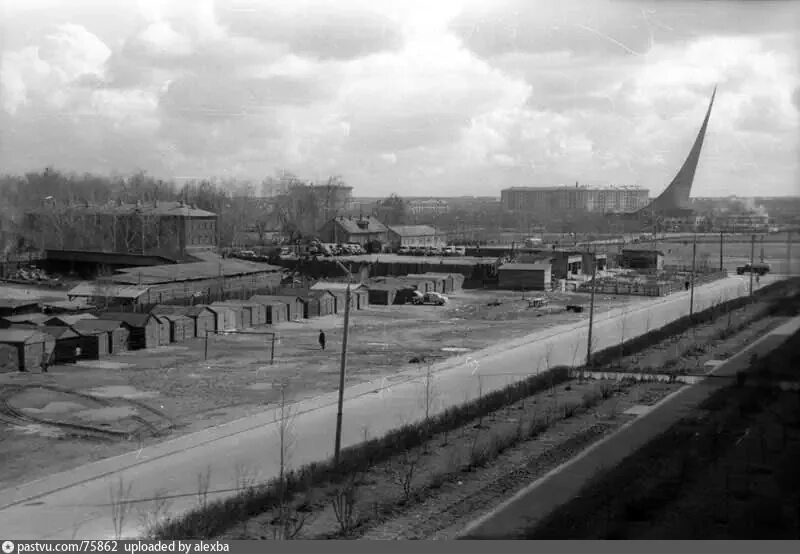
column 428, row 99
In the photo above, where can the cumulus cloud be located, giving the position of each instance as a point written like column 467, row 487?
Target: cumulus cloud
column 450, row 97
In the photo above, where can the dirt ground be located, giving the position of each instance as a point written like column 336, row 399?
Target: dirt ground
column 445, row 483
column 177, row 391
column 734, row 254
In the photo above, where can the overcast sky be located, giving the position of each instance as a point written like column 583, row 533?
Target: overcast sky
column 422, row 98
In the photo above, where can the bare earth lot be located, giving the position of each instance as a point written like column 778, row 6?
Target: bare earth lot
column 172, row 390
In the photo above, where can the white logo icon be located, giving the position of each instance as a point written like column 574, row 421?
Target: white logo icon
column 8, row 547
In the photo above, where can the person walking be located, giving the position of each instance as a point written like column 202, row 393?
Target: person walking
column 322, row 339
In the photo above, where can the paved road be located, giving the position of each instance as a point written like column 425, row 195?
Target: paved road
column 531, row 505
column 76, row 503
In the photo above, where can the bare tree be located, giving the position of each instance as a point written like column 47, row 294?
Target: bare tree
column 120, row 506
column 343, row 502
column 622, row 323
column 288, row 522
column 152, row 513
column 403, row 471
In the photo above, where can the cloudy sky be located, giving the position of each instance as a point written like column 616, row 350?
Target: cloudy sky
column 433, row 97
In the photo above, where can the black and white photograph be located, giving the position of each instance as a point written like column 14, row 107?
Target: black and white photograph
column 398, row 270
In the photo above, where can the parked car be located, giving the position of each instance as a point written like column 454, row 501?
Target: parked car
column 404, row 251
column 449, row 251
column 758, row 269
column 434, row 298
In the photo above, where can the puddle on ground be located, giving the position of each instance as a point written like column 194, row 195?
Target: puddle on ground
column 102, row 364
column 111, row 413
column 260, row 386
column 55, row 408
column 120, row 391
column 455, row 349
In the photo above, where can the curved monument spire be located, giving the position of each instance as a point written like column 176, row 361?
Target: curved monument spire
column 675, row 197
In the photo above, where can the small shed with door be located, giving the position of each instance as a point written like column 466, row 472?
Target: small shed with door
column 94, row 344
column 24, row 349
column 358, row 293
column 117, row 334
column 275, row 310
column 258, row 312
column 524, row 276
column 422, row 284
column 144, row 330
column 310, row 306
column 382, row 294
column 226, row 317
column 294, row 305
column 181, row 327
column 164, row 329
column 326, row 299
column 451, row 282
column 204, row 320
column 242, row 313
column 67, row 346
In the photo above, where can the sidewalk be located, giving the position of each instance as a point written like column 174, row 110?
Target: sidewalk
column 511, row 519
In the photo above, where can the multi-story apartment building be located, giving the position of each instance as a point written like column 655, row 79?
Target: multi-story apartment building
column 427, row 206
column 563, row 199
column 172, row 229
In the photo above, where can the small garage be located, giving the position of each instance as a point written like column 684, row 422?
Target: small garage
column 274, row 310
column 181, row 328
column 382, row 294
column 241, row 313
column 204, row 320
column 535, row 276
column 258, row 313
column 117, row 334
column 310, row 306
column 94, row 344
column 326, row 300
column 164, row 329
column 423, row 284
column 226, row 317
column 294, row 304
column 144, row 330
column 67, row 345
column 25, row 349
column 448, row 281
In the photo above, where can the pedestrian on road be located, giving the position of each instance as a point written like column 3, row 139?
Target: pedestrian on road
column 322, row 339
column 687, row 285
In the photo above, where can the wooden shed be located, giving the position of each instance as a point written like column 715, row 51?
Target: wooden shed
column 226, row 317
column 204, row 320
column 294, row 304
column 164, row 329
column 326, row 299
column 67, row 344
column 242, row 313
column 362, row 298
column 382, row 294
column 524, row 276
column 181, row 327
column 32, row 348
column 451, row 282
column 144, row 330
column 94, row 344
column 117, row 334
column 358, row 294
column 275, row 310
column 258, row 312
column 310, row 306
column 423, row 284
column 28, row 320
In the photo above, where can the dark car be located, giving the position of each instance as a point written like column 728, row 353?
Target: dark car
column 758, row 269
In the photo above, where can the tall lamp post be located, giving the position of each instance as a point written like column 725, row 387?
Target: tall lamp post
column 343, row 367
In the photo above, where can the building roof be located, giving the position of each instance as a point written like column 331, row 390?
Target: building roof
column 643, row 250
column 191, row 271
column 91, row 290
column 164, row 309
column 414, row 230
column 174, row 317
column 59, row 332
column 15, row 303
column 160, row 208
column 134, row 319
column 194, row 311
column 287, row 297
column 16, row 335
column 524, row 267
column 69, row 319
column 37, row 319
column 95, row 325
column 360, row 226
column 317, row 293
column 267, row 300
column 334, row 286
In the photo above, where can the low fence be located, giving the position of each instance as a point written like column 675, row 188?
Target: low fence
column 634, row 288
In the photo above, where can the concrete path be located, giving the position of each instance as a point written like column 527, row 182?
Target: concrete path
column 77, row 503
column 511, row 519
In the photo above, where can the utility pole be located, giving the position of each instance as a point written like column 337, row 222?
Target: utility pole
column 591, row 310
column 720, row 250
column 342, row 371
column 789, row 253
column 752, row 256
column 694, row 260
